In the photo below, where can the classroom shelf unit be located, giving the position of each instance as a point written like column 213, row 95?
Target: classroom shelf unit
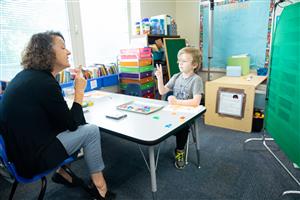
column 136, row 72
column 95, row 83
column 158, row 57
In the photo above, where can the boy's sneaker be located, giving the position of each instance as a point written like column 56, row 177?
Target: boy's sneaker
column 179, row 159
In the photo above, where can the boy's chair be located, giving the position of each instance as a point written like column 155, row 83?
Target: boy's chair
column 18, row 179
column 133, row 89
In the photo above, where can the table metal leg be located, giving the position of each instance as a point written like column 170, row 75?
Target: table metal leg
column 197, row 132
column 152, row 171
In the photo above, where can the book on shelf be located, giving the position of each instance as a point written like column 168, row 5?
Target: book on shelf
column 90, row 72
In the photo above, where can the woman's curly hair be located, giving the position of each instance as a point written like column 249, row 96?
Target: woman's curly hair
column 39, row 52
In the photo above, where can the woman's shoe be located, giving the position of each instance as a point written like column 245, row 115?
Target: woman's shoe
column 93, row 191
column 76, row 181
column 108, row 196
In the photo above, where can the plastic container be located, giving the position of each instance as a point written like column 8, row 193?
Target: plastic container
column 155, row 26
column 162, row 25
column 140, row 81
column 145, row 26
column 136, row 75
column 138, row 28
column 157, row 55
column 136, row 53
column 110, row 80
column 136, row 69
column 145, row 87
column 258, row 121
column 136, row 62
column 262, row 71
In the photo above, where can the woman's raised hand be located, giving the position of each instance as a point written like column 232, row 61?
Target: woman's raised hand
column 79, row 86
column 79, row 81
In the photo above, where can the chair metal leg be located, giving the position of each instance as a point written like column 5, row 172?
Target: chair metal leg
column 13, row 189
column 43, row 188
column 192, row 131
column 187, row 149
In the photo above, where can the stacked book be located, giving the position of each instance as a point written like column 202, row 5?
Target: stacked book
column 98, row 70
column 64, row 76
column 135, row 68
column 90, row 72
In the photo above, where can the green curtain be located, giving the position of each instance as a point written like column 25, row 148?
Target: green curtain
column 282, row 109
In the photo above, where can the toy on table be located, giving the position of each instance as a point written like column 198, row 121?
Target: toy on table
column 87, row 104
column 139, row 107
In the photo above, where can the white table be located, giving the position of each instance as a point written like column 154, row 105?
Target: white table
column 150, row 129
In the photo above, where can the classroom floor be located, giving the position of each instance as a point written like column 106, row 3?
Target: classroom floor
column 228, row 172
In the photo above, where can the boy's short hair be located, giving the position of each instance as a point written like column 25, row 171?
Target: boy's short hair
column 194, row 52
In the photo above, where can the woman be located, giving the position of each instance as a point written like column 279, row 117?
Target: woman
column 38, row 127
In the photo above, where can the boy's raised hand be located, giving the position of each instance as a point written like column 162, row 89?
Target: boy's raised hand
column 158, row 72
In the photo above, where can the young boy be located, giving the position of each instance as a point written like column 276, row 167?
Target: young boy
column 187, row 89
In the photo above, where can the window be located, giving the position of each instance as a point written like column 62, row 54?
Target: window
column 19, row 20
column 98, row 29
column 105, row 29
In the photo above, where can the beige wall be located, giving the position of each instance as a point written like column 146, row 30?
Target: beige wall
column 185, row 13
column 187, row 16
column 188, row 21
column 157, row 7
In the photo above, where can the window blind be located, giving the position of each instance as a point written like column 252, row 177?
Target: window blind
column 19, row 20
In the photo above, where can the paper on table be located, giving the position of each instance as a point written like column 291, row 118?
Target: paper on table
column 95, row 94
column 179, row 108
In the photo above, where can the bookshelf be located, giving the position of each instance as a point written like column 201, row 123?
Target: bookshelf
column 94, row 83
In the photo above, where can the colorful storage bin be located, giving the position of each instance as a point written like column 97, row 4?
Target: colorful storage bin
column 135, row 75
column 136, row 53
column 145, row 86
column 136, row 69
column 140, row 81
column 136, row 62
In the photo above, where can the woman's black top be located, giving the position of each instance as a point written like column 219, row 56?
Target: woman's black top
column 32, row 112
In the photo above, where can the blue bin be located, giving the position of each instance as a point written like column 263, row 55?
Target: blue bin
column 157, row 55
column 110, row 80
column 262, row 71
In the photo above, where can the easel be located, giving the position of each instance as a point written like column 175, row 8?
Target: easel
column 264, row 139
column 211, row 4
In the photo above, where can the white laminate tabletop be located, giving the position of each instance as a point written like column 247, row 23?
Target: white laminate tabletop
column 142, row 128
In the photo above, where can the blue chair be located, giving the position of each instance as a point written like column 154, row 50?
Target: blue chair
column 18, row 179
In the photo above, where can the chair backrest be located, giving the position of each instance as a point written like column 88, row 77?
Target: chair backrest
column 3, row 156
column 133, row 89
column 12, row 170
column 10, row 166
